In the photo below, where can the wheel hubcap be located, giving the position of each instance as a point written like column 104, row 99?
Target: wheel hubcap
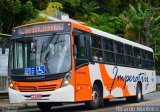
column 95, row 97
column 139, row 94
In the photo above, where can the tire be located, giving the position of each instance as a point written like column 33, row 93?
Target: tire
column 139, row 95
column 44, row 106
column 96, row 98
column 138, row 98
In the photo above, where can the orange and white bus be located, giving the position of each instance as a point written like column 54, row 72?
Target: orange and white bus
column 61, row 61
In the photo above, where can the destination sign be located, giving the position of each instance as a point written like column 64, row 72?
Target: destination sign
column 42, row 28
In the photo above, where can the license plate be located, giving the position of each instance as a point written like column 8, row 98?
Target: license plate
column 36, row 96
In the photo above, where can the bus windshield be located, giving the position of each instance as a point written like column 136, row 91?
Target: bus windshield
column 40, row 55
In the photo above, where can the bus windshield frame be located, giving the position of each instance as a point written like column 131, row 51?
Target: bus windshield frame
column 50, row 51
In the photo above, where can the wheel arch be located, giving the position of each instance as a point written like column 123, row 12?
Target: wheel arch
column 99, row 85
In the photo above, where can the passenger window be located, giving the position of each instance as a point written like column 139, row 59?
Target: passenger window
column 96, row 48
column 150, row 60
column 129, row 57
column 97, row 55
column 120, row 53
column 108, row 44
column 108, row 51
column 137, row 57
column 96, row 41
column 144, row 60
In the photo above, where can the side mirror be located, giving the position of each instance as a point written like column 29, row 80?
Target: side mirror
column 75, row 50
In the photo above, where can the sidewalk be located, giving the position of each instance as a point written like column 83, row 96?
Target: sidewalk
column 4, row 104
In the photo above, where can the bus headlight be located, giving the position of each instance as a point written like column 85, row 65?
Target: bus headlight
column 10, row 83
column 66, row 80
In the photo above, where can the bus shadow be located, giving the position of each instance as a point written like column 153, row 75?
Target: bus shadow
column 80, row 107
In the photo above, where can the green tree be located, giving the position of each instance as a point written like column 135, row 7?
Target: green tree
column 134, row 23
column 51, row 10
column 111, row 24
column 14, row 12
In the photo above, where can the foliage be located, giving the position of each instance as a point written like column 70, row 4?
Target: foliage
column 106, row 23
column 49, row 11
column 14, row 12
column 134, row 23
column 158, row 87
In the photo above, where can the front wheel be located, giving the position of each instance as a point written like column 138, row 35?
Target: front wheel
column 44, row 106
column 96, row 98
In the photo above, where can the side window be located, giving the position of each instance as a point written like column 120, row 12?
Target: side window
column 144, row 61
column 150, row 60
column 129, row 55
column 137, row 57
column 81, row 47
column 120, row 53
column 108, row 51
column 96, row 48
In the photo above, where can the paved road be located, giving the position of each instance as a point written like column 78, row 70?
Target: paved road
column 116, row 105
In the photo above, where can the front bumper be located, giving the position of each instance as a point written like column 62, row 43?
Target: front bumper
column 64, row 94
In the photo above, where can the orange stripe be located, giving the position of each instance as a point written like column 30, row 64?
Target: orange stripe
column 108, row 81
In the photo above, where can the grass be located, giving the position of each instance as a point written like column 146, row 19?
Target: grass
column 158, row 87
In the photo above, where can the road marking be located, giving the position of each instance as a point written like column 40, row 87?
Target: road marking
column 135, row 104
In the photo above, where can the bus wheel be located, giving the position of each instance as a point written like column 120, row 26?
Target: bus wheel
column 44, row 106
column 139, row 95
column 95, row 102
column 138, row 98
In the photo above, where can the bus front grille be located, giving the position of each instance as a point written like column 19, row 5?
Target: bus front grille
column 37, row 88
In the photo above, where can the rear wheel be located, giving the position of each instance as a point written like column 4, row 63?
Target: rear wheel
column 44, row 106
column 96, row 98
column 139, row 97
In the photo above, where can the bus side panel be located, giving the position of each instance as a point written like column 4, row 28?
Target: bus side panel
column 121, row 81
column 99, row 72
column 112, row 83
column 83, row 90
column 95, row 74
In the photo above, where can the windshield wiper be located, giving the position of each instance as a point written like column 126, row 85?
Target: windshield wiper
column 46, row 44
